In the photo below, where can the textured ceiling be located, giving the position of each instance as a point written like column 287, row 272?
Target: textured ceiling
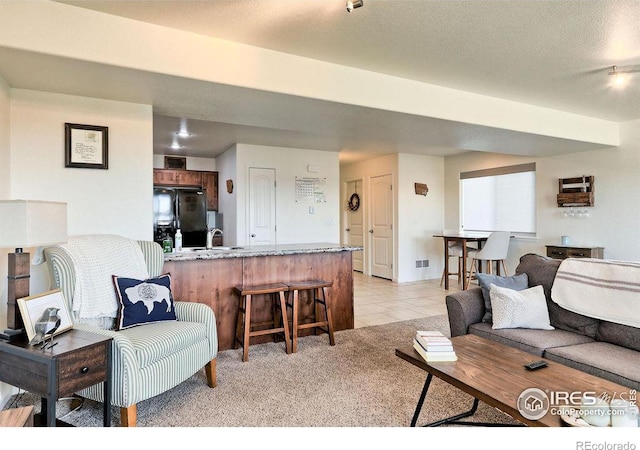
column 554, row 54
column 548, row 53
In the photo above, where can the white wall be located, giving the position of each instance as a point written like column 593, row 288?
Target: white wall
column 4, row 140
column 193, row 163
column 5, row 177
column 228, row 202
column 117, row 200
column 419, row 217
column 5, row 389
column 613, row 220
column 294, row 222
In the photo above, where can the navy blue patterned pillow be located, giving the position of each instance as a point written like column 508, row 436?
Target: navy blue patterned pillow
column 143, row 301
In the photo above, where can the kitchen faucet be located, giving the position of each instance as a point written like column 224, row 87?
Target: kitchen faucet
column 210, row 234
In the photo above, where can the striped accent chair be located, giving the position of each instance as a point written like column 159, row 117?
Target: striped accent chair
column 152, row 358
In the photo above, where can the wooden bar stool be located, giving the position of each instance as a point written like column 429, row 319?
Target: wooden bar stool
column 318, row 292
column 244, row 326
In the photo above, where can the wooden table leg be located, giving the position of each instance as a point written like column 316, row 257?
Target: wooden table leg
column 446, row 263
column 464, row 263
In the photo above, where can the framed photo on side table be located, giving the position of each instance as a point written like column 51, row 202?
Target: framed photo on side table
column 86, row 146
column 33, row 307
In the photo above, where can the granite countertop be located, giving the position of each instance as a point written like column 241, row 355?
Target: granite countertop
column 190, row 254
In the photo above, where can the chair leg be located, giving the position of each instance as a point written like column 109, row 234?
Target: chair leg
column 471, row 271
column 294, row 321
column 460, row 272
column 285, row 321
column 210, row 370
column 442, row 277
column 247, row 328
column 129, row 416
column 504, row 268
column 329, row 317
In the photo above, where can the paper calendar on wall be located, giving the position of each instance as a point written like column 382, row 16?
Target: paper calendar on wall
column 310, row 190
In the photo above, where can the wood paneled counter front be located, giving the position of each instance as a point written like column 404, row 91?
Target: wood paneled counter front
column 209, row 276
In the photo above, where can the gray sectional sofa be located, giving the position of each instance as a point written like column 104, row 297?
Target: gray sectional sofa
column 604, row 349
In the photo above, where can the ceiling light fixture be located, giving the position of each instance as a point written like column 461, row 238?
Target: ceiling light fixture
column 353, row 4
column 183, row 134
column 618, row 73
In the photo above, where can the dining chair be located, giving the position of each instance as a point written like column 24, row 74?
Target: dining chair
column 454, row 250
column 494, row 250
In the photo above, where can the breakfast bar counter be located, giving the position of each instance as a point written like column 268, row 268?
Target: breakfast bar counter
column 209, row 277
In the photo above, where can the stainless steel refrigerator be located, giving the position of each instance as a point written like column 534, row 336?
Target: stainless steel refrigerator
column 182, row 208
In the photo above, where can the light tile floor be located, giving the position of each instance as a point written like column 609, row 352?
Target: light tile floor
column 378, row 301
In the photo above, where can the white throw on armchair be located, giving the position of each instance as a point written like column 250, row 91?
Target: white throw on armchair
column 147, row 359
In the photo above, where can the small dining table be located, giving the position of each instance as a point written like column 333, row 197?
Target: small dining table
column 462, row 237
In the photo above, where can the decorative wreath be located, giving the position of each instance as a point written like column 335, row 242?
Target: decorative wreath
column 354, row 202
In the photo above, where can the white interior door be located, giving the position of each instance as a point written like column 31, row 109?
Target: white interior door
column 355, row 225
column 262, row 206
column 381, row 227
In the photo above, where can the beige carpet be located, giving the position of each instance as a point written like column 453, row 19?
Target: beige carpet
column 357, row 383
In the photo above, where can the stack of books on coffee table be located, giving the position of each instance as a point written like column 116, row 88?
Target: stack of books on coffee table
column 434, row 346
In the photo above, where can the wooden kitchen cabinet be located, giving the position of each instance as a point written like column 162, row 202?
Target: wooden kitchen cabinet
column 210, row 185
column 164, row 177
column 208, row 181
column 170, row 177
column 188, row 178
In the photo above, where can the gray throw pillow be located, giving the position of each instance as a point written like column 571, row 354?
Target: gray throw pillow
column 515, row 282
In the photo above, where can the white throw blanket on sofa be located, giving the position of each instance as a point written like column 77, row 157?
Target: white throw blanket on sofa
column 603, row 289
column 96, row 258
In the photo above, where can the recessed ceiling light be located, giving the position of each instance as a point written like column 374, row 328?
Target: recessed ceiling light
column 175, row 146
column 183, row 134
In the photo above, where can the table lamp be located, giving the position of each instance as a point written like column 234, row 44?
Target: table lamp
column 26, row 224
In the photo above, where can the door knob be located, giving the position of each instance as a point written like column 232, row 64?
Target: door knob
column 371, row 231
column 253, row 235
column 347, row 229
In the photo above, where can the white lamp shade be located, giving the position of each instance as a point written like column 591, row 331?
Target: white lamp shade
column 32, row 223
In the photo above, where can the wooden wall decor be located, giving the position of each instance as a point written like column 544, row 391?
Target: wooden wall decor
column 577, row 191
column 421, row 189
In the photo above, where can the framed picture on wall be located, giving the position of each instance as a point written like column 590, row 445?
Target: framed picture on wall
column 86, row 146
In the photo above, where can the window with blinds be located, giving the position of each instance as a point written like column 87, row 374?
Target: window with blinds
column 499, row 199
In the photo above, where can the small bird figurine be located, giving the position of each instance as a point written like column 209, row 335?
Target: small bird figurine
column 46, row 325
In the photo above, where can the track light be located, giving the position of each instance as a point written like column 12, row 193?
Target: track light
column 353, row 4
column 618, row 73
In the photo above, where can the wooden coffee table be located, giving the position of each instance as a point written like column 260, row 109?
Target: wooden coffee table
column 494, row 374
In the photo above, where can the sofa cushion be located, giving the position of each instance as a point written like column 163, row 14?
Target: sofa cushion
column 519, row 309
column 542, row 271
column 155, row 341
column 618, row 334
column 531, row 341
column 485, row 280
column 604, row 360
column 143, row 301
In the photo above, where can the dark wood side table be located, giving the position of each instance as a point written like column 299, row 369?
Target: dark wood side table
column 79, row 359
column 573, row 251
